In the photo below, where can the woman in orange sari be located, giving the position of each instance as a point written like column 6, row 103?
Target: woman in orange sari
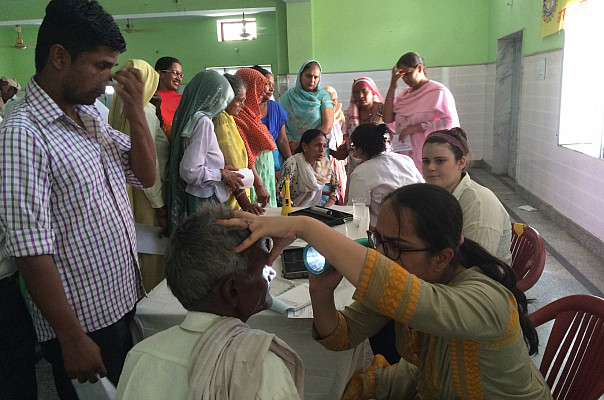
column 258, row 141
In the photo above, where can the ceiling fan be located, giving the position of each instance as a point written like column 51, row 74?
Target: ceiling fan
column 129, row 27
column 19, row 45
column 244, row 33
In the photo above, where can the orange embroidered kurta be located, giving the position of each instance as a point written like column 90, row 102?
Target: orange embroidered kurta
column 458, row 341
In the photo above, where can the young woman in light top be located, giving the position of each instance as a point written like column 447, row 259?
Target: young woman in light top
column 485, row 219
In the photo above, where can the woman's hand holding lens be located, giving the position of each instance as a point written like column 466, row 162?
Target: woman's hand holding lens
column 280, row 229
column 325, row 283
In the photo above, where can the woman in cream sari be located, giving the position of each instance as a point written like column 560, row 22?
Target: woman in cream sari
column 148, row 205
column 308, row 170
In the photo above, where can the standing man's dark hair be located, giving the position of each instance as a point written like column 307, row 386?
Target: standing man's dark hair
column 79, row 26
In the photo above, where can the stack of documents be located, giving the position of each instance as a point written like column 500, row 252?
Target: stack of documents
column 294, row 302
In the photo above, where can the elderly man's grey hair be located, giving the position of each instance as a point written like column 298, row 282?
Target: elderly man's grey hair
column 201, row 252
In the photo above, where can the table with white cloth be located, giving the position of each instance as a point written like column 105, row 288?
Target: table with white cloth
column 326, row 372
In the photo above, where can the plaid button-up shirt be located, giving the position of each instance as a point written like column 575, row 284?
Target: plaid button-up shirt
column 63, row 193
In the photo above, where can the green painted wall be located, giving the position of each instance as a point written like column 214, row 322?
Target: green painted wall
column 299, row 34
column 444, row 32
column 520, row 15
column 17, row 63
column 282, row 51
column 192, row 40
column 358, row 36
column 34, row 9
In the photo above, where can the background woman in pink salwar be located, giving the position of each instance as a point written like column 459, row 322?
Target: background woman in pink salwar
column 425, row 106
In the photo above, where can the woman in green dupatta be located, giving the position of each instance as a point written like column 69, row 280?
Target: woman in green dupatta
column 197, row 171
column 308, row 105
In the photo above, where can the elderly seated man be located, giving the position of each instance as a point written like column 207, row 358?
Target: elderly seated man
column 8, row 90
column 213, row 354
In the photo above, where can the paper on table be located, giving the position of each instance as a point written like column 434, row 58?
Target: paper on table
column 148, row 240
column 294, row 299
column 280, row 285
column 103, row 389
column 305, row 312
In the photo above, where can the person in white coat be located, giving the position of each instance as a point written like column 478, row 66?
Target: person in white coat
column 381, row 171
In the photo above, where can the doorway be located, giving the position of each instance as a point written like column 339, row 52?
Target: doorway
column 508, row 78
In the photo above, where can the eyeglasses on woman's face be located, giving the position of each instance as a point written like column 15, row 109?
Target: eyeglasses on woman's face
column 391, row 250
column 174, row 72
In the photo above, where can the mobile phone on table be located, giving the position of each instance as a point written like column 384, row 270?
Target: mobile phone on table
column 293, row 263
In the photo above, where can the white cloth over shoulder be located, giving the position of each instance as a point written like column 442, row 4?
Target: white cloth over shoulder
column 226, row 362
column 158, row 368
column 308, row 186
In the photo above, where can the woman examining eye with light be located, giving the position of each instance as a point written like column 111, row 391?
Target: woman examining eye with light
column 461, row 324
column 444, row 162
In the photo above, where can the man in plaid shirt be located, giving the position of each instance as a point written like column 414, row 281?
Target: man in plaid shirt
column 64, row 207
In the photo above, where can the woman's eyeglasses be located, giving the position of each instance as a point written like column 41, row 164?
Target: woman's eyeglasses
column 174, row 72
column 391, row 250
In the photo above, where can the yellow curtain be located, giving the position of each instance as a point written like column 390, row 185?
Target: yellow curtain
column 552, row 15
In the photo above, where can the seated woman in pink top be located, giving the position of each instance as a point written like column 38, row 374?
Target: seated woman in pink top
column 425, row 106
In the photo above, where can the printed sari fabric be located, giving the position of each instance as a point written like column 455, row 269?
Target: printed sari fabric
column 306, row 181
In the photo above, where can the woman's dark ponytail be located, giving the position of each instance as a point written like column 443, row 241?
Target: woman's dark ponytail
column 370, row 138
column 472, row 254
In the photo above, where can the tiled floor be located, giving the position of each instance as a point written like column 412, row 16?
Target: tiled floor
column 569, row 267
